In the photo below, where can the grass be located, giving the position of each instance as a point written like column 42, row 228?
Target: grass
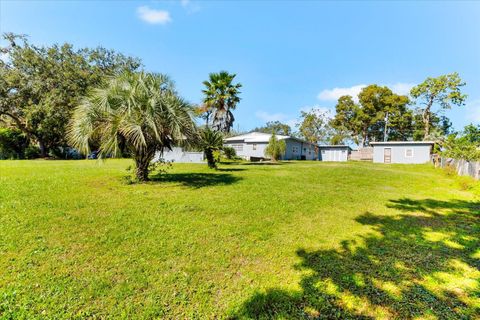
column 293, row 240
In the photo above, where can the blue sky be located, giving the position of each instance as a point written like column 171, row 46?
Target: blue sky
column 289, row 55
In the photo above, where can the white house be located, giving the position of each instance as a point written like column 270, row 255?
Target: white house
column 251, row 146
column 402, row 151
column 333, row 153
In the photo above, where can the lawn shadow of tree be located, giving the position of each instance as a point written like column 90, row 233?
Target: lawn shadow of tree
column 424, row 262
column 266, row 163
column 230, row 169
column 196, row 180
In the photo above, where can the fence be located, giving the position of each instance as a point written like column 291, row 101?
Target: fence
column 463, row 167
column 364, row 154
column 178, row 155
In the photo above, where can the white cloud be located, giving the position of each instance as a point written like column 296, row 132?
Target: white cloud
column 190, row 6
column 401, row 88
column 335, row 93
column 472, row 113
column 153, row 16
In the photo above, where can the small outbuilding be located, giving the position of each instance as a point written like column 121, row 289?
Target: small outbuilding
column 402, row 151
column 333, row 153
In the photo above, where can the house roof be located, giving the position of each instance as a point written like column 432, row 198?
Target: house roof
column 401, row 142
column 260, row 137
column 334, row 146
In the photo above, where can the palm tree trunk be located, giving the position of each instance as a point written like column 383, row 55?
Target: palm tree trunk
column 210, row 159
column 142, row 162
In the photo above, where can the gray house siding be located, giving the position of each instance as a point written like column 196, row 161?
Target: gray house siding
column 294, row 149
column 403, row 153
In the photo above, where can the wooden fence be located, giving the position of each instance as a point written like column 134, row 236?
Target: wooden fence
column 463, row 167
column 362, row 154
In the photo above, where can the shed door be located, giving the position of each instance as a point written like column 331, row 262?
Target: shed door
column 337, row 155
column 387, row 155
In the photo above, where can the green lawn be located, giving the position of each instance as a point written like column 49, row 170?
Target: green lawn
column 295, row 240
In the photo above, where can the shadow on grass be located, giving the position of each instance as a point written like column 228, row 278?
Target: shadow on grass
column 197, row 180
column 230, row 169
column 266, row 163
column 424, row 262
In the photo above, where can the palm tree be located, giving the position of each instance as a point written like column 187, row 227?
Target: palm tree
column 221, row 97
column 210, row 141
column 141, row 111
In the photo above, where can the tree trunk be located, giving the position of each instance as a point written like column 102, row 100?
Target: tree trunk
column 364, row 137
column 142, row 161
column 426, row 123
column 210, row 159
column 43, row 148
column 426, row 118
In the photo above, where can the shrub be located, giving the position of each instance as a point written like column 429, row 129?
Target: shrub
column 450, row 170
column 275, row 148
column 211, row 143
column 32, row 152
column 460, row 148
column 229, row 153
column 12, row 144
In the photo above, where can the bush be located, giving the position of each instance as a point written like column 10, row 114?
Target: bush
column 450, row 170
column 32, row 152
column 217, row 155
column 275, row 148
column 460, row 148
column 12, row 144
column 229, row 153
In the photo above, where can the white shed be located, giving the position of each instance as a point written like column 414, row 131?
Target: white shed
column 177, row 154
column 402, row 151
column 333, row 153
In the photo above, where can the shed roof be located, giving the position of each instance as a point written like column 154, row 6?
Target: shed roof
column 402, row 142
column 339, row 146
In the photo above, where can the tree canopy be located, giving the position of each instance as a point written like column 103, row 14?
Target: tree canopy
column 444, row 91
column 379, row 113
column 41, row 85
column 277, row 127
column 314, row 126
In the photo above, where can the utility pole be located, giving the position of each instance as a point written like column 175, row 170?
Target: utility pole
column 385, row 131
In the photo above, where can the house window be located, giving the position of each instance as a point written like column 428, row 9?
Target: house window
column 254, row 146
column 304, row 149
column 295, row 149
column 408, row 153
